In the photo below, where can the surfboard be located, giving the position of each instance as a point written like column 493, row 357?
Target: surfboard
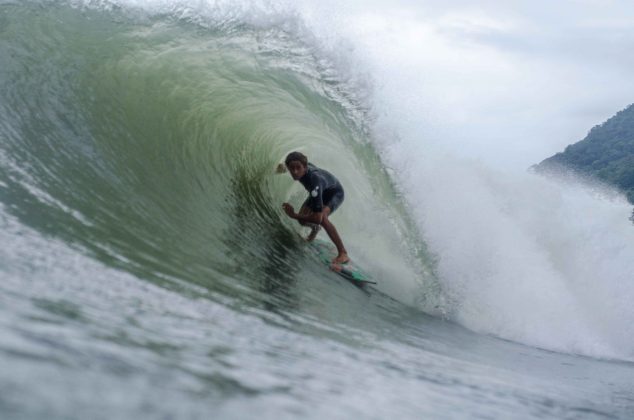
column 350, row 271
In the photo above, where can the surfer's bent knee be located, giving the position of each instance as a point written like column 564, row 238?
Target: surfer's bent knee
column 324, row 216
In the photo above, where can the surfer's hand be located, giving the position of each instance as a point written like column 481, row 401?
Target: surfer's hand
column 289, row 210
column 281, row 168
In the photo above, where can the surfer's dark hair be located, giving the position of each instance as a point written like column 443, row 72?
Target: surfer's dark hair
column 296, row 156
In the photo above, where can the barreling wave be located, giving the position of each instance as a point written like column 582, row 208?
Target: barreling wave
column 151, row 142
column 146, row 134
column 147, row 266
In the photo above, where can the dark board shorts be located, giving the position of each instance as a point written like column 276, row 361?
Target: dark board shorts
column 332, row 199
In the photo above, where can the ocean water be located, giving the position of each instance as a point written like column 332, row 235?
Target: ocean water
column 147, row 269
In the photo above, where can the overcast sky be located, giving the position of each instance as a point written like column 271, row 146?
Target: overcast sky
column 506, row 82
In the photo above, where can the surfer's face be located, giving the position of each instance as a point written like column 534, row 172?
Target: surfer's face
column 297, row 169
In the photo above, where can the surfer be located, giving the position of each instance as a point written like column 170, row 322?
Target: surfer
column 325, row 195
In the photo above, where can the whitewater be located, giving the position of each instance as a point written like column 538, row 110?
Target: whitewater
column 147, row 269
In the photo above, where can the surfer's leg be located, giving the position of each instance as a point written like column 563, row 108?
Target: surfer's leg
column 314, row 229
column 331, row 230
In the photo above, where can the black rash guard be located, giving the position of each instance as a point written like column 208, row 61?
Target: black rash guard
column 323, row 189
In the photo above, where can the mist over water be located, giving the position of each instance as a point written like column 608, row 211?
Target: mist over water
column 531, row 259
column 144, row 242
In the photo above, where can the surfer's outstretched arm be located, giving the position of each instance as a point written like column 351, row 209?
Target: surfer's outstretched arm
column 302, row 219
column 303, row 216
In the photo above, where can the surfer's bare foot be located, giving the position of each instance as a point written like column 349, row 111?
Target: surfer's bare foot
column 341, row 259
column 313, row 234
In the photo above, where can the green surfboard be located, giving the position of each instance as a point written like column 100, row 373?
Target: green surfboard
column 351, row 272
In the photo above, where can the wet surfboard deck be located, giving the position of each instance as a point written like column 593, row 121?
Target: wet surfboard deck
column 350, row 271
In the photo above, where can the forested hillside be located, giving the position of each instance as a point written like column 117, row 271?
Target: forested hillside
column 606, row 153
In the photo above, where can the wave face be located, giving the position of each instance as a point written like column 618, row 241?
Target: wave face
column 144, row 241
